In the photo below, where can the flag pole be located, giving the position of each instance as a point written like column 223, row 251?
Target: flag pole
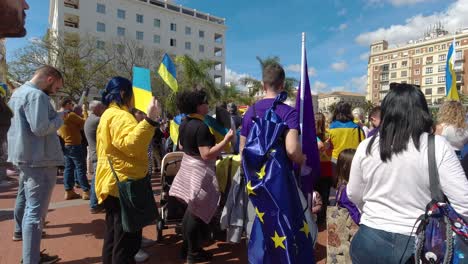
column 302, row 88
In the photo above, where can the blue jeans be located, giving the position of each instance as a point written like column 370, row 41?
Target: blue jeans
column 75, row 166
column 20, row 204
column 93, row 201
column 38, row 184
column 371, row 245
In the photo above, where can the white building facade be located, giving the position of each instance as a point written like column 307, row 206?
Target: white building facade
column 163, row 25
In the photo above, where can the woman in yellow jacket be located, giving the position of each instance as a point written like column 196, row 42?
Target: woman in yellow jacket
column 125, row 141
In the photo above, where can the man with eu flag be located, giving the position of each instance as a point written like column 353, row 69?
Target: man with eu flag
column 270, row 144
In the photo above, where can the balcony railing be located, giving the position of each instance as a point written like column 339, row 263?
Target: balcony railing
column 186, row 11
column 75, row 4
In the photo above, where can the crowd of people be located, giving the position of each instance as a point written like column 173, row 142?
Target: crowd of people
column 373, row 187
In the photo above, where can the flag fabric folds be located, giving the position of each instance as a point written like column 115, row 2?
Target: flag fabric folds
column 304, row 106
column 215, row 127
column 450, row 75
column 142, row 88
column 280, row 232
column 167, row 71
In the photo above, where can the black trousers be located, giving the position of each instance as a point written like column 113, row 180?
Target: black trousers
column 119, row 247
column 194, row 232
column 323, row 188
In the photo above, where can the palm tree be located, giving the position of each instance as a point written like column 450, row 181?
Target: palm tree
column 255, row 85
column 196, row 75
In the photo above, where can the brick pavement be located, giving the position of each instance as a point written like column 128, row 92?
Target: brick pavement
column 76, row 235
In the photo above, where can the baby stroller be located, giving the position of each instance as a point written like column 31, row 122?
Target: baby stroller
column 171, row 210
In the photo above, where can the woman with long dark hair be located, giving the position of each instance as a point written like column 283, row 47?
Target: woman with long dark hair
column 123, row 141
column 196, row 183
column 389, row 180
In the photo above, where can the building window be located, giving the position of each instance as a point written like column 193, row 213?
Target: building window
column 418, row 51
column 100, row 44
column 428, row 70
column 393, row 75
column 417, row 62
column 157, row 22
column 444, row 46
column 156, row 39
column 441, row 68
column 394, row 65
column 442, row 57
column 431, row 49
column 457, row 43
column 101, row 27
column 404, row 73
column 188, row 45
column 428, row 91
column 139, row 35
column 139, row 18
column 120, row 13
column 441, row 79
column 173, row 27
column 416, row 82
column 100, row 8
column 376, row 68
column 173, row 43
column 201, row 34
column 120, row 31
column 429, row 60
column 201, row 48
column 458, row 55
column 376, row 77
column 384, row 77
column 441, row 90
column 188, row 30
column 404, row 64
column 416, row 72
column 385, row 67
column 428, row 80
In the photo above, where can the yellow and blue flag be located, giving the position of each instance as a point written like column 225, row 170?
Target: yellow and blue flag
column 450, row 75
column 215, row 127
column 3, row 89
column 167, row 71
column 142, row 88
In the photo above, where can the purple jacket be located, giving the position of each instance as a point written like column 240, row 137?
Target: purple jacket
column 343, row 201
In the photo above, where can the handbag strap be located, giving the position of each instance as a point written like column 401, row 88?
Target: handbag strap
column 112, row 169
column 436, row 192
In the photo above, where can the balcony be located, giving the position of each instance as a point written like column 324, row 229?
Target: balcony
column 459, row 79
column 459, row 57
column 218, row 52
column 218, row 38
column 72, row 21
column 74, row 4
column 218, row 66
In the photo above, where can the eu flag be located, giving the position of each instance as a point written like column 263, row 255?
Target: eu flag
column 280, row 233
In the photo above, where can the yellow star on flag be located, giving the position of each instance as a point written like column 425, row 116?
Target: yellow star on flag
column 305, row 229
column 261, row 173
column 278, row 240
column 259, row 214
column 249, row 188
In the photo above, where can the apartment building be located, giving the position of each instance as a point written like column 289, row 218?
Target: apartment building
column 325, row 100
column 156, row 24
column 420, row 62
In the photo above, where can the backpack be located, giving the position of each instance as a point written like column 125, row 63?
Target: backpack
column 442, row 235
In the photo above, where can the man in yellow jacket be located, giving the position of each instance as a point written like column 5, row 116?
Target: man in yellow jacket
column 125, row 142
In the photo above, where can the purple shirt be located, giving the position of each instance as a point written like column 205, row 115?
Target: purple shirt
column 372, row 132
column 285, row 112
column 343, row 201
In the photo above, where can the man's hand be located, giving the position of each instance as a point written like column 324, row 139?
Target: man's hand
column 154, row 110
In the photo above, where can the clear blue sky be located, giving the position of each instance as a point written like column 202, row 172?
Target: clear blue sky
column 338, row 33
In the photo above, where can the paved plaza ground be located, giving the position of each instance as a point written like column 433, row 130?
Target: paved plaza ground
column 77, row 236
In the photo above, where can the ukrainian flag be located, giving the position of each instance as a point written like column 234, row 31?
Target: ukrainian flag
column 215, row 128
column 3, row 89
column 167, row 71
column 142, row 88
column 450, row 75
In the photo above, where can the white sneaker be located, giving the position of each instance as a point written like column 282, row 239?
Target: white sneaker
column 141, row 256
column 145, row 242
